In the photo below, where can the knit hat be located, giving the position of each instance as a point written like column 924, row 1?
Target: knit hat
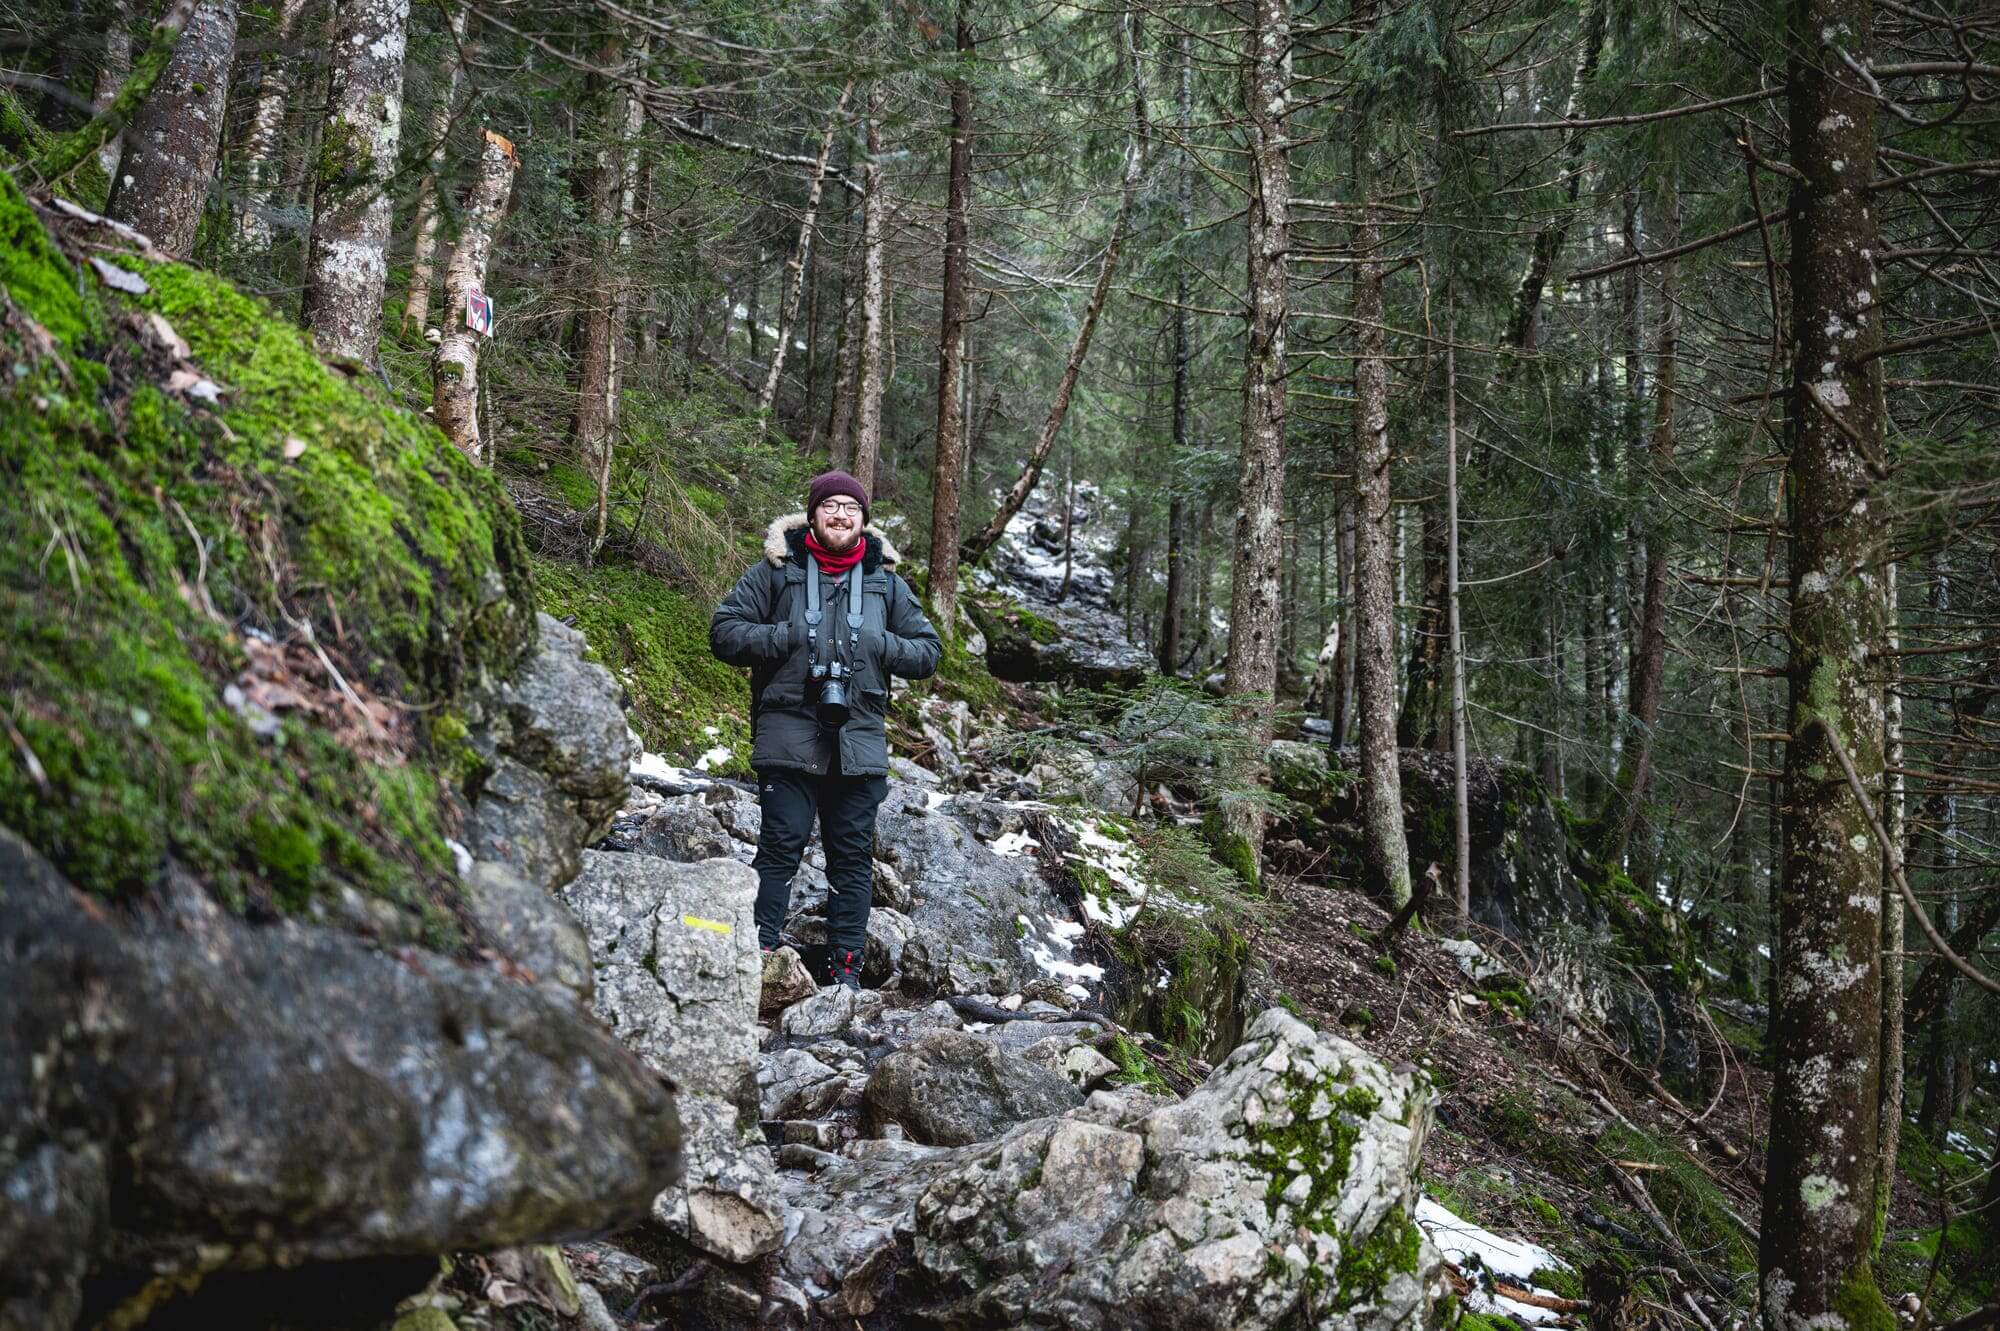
column 828, row 484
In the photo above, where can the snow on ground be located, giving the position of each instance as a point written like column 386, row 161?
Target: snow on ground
column 1466, row 1245
column 652, row 767
column 714, row 757
column 1014, row 843
column 1118, row 861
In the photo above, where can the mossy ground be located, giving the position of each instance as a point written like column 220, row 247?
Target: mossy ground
column 146, row 535
column 654, row 638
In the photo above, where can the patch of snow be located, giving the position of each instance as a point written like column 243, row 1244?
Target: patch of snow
column 711, row 731
column 1014, row 844
column 651, row 767
column 1461, row 1240
column 460, row 856
column 721, row 753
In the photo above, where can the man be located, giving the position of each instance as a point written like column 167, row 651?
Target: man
column 823, row 622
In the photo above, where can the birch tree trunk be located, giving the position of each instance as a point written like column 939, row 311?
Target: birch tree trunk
column 945, row 467
column 347, row 263
column 795, row 281
column 867, row 444
column 1024, row 485
column 1384, row 845
column 455, row 372
column 423, row 254
column 261, row 156
column 175, row 138
column 1254, row 607
column 111, row 74
column 1820, row 1216
column 626, row 171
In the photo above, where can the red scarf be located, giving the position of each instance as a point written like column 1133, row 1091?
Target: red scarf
column 834, row 565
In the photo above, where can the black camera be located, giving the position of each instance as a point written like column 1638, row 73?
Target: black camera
column 831, row 708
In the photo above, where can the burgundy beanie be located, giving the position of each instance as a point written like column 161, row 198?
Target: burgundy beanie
column 830, row 483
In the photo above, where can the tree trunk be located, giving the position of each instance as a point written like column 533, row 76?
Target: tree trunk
column 1890, row 1121
column 1254, row 608
column 945, row 497
column 175, row 138
column 1626, row 798
column 1520, row 334
column 1171, row 616
column 868, row 367
column 1135, row 155
column 347, row 264
column 112, row 72
column 455, row 373
column 594, row 416
column 1384, row 847
column 1820, row 1221
column 423, row 254
column 788, row 308
column 1341, row 708
column 262, row 154
column 1461, row 812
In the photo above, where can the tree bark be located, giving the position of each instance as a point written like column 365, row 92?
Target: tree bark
column 1461, row 812
column 1251, row 666
column 1171, row 616
column 1889, row 1122
column 423, row 253
column 942, row 587
column 868, row 366
column 593, row 417
column 1820, row 1220
column 347, row 264
column 1384, row 846
column 455, row 372
column 112, row 71
column 972, row 551
column 261, row 154
column 175, row 138
column 795, row 279
column 1520, row 333
column 1625, row 801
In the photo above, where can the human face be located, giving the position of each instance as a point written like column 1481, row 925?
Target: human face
column 837, row 523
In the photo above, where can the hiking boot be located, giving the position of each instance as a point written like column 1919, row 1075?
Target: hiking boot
column 845, row 970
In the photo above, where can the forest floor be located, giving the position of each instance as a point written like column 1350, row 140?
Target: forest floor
column 1554, row 1139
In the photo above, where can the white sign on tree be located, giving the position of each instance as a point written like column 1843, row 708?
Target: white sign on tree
column 479, row 313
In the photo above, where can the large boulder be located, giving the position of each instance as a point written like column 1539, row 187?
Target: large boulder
column 195, row 1094
column 679, row 976
column 1279, row 1193
column 558, row 754
column 953, row 1088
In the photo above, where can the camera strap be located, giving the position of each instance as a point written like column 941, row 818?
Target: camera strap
column 814, row 613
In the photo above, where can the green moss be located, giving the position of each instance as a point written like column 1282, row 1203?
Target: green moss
column 573, row 485
column 143, row 542
column 654, row 638
column 1134, row 1068
column 1859, row 1303
column 1366, row 1267
column 1559, row 1281
column 1385, row 965
column 1230, row 849
column 1546, row 1212
column 1688, row 1198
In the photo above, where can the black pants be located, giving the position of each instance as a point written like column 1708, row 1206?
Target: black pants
column 846, row 807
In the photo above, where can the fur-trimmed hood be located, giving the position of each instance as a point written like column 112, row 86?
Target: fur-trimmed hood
column 786, row 539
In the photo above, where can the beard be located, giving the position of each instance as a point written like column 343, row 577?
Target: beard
column 836, row 541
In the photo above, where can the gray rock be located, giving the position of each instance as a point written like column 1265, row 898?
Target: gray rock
column 952, row 1088
column 286, row 1094
column 536, row 930
column 905, row 1026
column 559, row 754
column 1017, row 1037
column 679, row 976
column 1133, row 1213
column 684, row 830
column 618, row 1274
column 830, row 1012
column 786, row 981
column 1081, row 1065
column 794, row 1084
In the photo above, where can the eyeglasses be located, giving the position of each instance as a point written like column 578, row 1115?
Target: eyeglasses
column 848, row 507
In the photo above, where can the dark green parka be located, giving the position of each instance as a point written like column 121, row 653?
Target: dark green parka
column 761, row 624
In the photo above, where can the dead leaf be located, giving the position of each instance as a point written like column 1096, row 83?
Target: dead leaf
column 163, row 333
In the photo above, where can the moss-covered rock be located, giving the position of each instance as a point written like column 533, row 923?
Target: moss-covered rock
column 234, row 588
